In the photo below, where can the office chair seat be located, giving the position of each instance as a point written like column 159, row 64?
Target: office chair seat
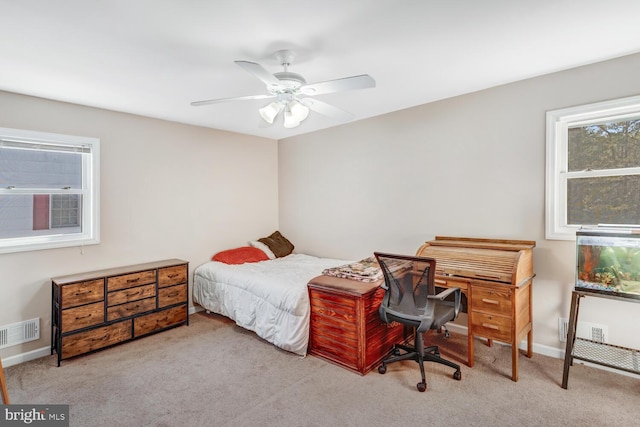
column 410, row 299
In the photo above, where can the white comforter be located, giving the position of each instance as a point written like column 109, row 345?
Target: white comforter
column 267, row 297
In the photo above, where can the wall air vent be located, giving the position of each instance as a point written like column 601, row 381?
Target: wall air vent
column 586, row 330
column 20, row 332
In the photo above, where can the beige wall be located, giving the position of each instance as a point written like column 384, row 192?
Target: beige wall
column 472, row 166
column 469, row 166
column 167, row 190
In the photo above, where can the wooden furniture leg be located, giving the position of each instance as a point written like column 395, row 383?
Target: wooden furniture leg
column 3, row 385
column 471, row 355
column 514, row 362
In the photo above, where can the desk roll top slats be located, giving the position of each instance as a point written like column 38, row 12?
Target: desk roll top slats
column 496, row 277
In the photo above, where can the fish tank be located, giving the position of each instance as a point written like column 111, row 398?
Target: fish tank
column 608, row 261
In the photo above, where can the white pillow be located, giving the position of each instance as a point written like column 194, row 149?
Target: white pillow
column 264, row 248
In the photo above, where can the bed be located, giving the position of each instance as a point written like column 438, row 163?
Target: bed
column 268, row 297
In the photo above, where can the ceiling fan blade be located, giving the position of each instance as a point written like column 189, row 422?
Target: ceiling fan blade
column 363, row 81
column 258, row 71
column 326, row 109
column 236, row 98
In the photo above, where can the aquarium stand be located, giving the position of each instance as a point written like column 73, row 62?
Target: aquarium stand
column 612, row 356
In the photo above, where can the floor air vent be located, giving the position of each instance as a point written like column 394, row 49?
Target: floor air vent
column 18, row 333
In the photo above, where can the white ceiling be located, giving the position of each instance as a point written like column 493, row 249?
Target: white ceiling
column 153, row 57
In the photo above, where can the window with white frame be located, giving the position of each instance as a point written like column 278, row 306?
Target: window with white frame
column 593, row 167
column 49, row 190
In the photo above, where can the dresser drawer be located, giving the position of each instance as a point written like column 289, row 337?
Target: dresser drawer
column 491, row 301
column 83, row 316
column 84, row 342
column 490, row 326
column 130, row 280
column 334, row 315
column 131, row 294
column 322, row 299
column 82, row 293
column 172, row 295
column 130, row 309
column 172, row 275
column 155, row 321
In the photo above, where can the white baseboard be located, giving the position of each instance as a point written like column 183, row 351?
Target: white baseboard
column 25, row 357
column 544, row 350
column 46, row 351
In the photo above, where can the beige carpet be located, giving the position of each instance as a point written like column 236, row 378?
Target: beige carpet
column 213, row 373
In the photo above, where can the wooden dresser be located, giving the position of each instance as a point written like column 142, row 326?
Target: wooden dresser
column 496, row 277
column 345, row 326
column 99, row 309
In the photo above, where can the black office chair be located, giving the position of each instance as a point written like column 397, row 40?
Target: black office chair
column 410, row 299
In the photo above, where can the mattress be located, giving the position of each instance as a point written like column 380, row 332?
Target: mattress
column 269, row 298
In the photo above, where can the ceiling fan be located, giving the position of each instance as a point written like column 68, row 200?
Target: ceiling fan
column 291, row 92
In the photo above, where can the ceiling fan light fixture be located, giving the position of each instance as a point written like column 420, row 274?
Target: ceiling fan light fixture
column 299, row 111
column 290, row 121
column 269, row 112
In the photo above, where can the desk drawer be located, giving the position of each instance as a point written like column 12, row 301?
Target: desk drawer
column 490, row 326
column 491, row 301
column 83, row 316
column 446, row 282
column 82, row 293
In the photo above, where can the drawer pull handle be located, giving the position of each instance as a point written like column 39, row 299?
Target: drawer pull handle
column 173, row 294
column 133, row 280
column 490, row 301
column 83, row 317
column 171, row 276
column 86, row 291
column 491, row 326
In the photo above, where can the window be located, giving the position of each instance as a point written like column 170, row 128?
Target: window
column 49, row 190
column 593, row 167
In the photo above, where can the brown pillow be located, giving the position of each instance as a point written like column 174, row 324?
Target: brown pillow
column 278, row 244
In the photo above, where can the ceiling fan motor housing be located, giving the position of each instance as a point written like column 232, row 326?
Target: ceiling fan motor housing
column 290, row 80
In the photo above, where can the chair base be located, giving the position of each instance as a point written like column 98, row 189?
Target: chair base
column 428, row 354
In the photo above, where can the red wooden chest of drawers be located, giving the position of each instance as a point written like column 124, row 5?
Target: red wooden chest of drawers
column 345, row 326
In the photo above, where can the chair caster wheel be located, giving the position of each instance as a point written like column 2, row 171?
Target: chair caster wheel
column 457, row 375
column 382, row 369
column 396, row 352
column 422, row 386
column 447, row 334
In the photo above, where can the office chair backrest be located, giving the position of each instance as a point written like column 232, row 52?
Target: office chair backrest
column 409, row 280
